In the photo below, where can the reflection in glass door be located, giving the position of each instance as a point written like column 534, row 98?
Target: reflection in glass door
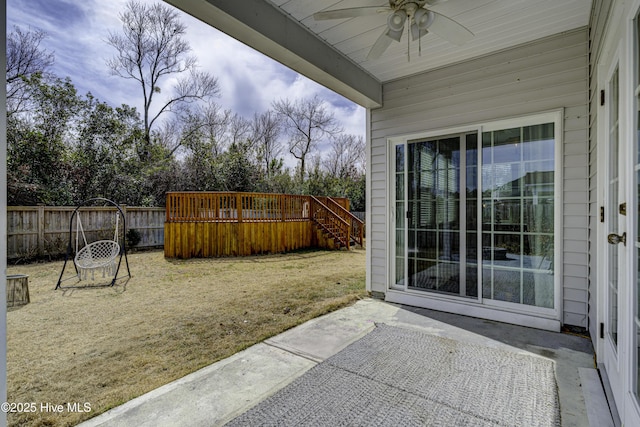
column 434, row 215
column 518, row 215
column 399, row 216
column 435, row 237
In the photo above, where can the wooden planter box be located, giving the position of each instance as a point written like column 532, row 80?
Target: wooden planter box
column 17, row 290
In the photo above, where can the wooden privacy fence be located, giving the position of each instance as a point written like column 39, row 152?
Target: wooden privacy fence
column 34, row 231
column 210, row 224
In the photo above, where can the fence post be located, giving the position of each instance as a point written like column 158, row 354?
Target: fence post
column 40, row 229
column 168, row 206
column 240, row 228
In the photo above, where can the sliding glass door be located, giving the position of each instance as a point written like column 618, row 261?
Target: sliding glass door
column 518, row 215
column 434, row 250
column 474, row 215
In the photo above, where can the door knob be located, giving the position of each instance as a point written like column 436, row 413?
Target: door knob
column 614, row 239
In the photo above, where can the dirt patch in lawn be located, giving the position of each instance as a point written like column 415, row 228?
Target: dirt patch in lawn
column 105, row 346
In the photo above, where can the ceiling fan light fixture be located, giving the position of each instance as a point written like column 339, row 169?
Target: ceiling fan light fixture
column 395, row 35
column 421, row 21
column 423, row 18
column 396, row 20
column 416, row 32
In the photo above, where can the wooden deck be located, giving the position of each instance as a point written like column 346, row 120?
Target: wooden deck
column 218, row 224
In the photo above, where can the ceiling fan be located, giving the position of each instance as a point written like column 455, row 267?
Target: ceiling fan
column 421, row 20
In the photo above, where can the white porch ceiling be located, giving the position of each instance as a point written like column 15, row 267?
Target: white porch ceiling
column 496, row 24
column 334, row 52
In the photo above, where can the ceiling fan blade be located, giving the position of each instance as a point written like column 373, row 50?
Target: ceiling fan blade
column 351, row 12
column 450, row 30
column 380, row 45
column 435, row 2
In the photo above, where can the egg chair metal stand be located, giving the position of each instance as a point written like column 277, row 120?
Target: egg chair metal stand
column 102, row 256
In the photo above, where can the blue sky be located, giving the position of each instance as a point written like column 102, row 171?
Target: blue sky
column 249, row 81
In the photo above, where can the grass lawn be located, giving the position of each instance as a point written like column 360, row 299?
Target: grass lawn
column 105, row 346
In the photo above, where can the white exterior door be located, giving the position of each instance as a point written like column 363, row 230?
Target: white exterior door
column 615, row 236
column 619, row 242
column 631, row 414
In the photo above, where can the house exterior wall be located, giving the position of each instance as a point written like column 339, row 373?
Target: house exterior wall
column 614, row 322
column 542, row 76
column 598, row 21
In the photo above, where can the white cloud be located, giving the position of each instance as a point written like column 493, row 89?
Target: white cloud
column 249, row 81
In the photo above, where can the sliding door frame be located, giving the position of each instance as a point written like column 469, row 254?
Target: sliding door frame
column 545, row 318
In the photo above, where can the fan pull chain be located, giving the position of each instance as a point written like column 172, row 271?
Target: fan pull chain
column 409, row 42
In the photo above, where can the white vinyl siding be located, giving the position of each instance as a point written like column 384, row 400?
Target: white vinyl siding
column 542, row 76
column 376, row 243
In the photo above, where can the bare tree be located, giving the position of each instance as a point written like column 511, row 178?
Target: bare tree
column 346, row 157
column 152, row 47
column 25, row 58
column 305, row 121
column 204, row 124
column 238, row 130
column 266, row 131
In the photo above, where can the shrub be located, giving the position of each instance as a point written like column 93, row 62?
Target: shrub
column 133, row 237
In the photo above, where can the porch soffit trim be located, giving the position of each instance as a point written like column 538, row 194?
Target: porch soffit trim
column 267, row 29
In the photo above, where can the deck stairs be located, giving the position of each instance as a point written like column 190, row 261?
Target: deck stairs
column 337, row 227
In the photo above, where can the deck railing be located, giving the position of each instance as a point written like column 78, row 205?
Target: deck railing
column 236, row 207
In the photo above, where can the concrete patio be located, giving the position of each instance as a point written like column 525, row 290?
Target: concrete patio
column 216, row 394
